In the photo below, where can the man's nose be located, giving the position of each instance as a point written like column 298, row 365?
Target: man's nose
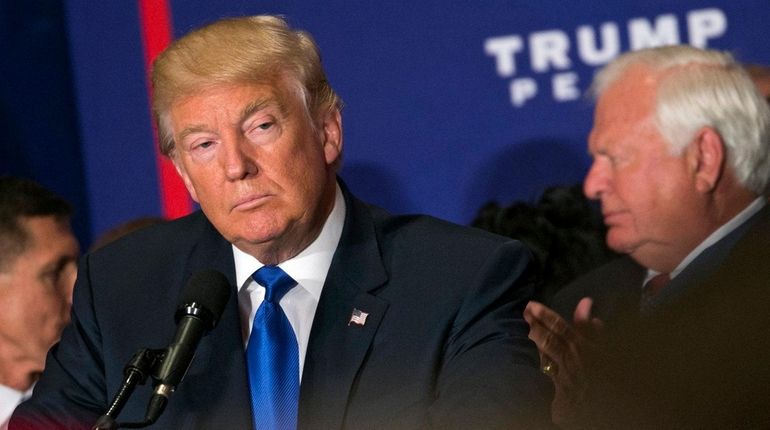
column 595, row 183
column 237, row 162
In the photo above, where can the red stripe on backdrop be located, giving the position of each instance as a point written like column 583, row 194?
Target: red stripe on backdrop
column 155, row 20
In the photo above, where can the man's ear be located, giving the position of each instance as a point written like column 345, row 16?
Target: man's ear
column 331, row 133
column 708, row 159
column 185, row 177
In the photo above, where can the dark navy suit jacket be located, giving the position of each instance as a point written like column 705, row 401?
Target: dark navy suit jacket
column 444, row 344
column 697, row 360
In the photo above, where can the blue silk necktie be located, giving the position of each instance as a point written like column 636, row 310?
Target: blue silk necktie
column 273, row 356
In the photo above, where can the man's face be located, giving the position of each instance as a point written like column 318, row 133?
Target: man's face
column 36, row 290
column 261, row 172
column 646, row 193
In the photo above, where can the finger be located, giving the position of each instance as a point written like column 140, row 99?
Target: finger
column 531, row 310
column 538, row 314
column 546, row 340
column 582, row 312
column 552, row 346
column 550, row 332
column 585, row 323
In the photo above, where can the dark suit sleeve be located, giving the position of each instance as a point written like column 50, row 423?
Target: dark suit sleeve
column 491, row 378
column 71, row 391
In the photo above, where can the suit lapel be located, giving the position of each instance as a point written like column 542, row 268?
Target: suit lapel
column 337, row 347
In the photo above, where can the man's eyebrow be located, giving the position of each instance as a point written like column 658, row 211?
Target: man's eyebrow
column 253, row 107
column 190, row 130
column 249, row 110
column 261, row 104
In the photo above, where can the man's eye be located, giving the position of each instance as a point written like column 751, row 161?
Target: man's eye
column 262, row 130
column 205, row 144
column 50, row 277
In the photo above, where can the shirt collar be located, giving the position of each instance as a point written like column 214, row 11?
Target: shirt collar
column 310, row 267
column 9, row 399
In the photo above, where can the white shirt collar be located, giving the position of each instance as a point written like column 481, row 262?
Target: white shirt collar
column 310, row 267
column 9, row 399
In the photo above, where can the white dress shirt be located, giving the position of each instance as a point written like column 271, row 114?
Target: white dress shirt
column 9, row 399
column 309, row 268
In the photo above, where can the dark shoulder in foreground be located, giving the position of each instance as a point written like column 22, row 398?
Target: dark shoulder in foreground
column 161, row 238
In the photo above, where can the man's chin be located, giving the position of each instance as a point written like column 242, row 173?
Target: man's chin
column 619, row 244
column 253, row 240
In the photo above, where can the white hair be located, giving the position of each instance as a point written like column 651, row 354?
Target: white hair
column 704, row 88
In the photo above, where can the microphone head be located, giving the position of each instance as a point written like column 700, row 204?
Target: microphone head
column 204, row 296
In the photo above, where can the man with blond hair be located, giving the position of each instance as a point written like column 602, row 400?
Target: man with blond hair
column 345, row 317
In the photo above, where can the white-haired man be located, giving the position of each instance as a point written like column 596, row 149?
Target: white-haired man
column 681, row 161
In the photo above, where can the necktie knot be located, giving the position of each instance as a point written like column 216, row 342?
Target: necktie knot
column 656, row 283
column 276, row 282
column 649, row 291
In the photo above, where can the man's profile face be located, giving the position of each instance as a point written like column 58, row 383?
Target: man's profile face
column 645, row 192
column 251, row 157
column 37, row 287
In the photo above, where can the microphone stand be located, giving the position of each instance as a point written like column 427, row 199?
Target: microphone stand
column 205, row 291
column 135, row 372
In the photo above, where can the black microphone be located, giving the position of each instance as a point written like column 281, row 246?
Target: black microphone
column 200, row 305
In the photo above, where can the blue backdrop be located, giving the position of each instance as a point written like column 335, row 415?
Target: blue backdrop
column 448, row 104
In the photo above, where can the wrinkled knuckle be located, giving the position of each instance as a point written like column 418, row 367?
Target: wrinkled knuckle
column 549, row 343
column 558, row 326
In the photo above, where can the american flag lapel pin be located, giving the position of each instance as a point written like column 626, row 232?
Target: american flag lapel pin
column 358, row 317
